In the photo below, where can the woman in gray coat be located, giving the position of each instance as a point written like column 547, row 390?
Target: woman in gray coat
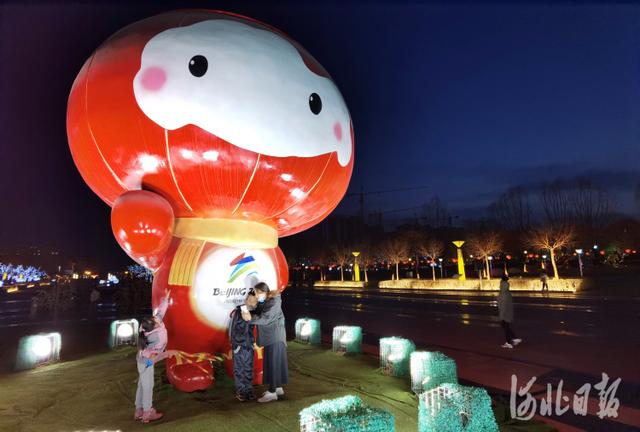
column 273, row 337
column 505, row 313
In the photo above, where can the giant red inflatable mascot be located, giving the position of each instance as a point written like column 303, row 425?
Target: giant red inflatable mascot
column 210, row 135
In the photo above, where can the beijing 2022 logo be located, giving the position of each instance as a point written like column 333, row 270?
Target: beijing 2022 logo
column 223, row 279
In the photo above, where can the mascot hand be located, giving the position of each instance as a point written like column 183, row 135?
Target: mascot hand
column 142, row 223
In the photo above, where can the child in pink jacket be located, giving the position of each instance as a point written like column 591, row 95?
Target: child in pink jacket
column 152, row 342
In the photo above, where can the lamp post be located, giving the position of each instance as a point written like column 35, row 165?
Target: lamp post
column 458, row 244
column 356, row 266
column 544, row 257
column 579, row 252
column 440, row 260
column 524, row 270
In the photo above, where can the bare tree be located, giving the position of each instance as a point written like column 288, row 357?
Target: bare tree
column 553, row 240
column 484, row 246
column 341, row 255
column 576, row 203
column 395, row 250
column 590, row 205
column 415, row 240
column 556, row 205
column 435, row 213
column 512, row 209
column 433, row 248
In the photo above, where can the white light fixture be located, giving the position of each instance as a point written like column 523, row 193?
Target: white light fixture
column 38, row 349
column 124, row 332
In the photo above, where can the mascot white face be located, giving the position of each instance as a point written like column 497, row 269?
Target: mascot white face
column 245, row 85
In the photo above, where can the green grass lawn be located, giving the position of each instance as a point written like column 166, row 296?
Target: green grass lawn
column 97, row 393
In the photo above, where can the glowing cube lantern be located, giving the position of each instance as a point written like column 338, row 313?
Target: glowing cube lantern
column 345, row 414
column 38, row 349
column 308, row 331
column 394, row 355
column 124, row 332
column 455, row 408
column 347, row 339
column 430, row 369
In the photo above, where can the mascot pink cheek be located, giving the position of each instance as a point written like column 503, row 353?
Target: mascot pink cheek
column 153, row 78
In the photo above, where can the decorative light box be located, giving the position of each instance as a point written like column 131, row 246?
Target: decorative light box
column 124, row 332
column 347, row 339
column 394, row 355
column 456, row 408
column 345, row 414
column 308, row 331
column 38, row 349
column 430, row 369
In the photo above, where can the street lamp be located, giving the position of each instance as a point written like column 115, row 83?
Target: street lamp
column 544, row 257
column 579, row 252
column 524, row 270
column 440, row 260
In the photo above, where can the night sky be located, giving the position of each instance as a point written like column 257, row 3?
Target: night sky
column 466, row 99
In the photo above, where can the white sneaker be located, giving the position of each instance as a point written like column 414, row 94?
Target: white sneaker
column 268, row 397
column 516, row 341
column 504, row 345
column 280, row 391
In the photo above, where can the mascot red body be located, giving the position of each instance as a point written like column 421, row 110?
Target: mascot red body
column 210, row 135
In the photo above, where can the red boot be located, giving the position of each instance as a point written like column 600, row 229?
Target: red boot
column 189, row 377
column 138, row 414
column 151, row 415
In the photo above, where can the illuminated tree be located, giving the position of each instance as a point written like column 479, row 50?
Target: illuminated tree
column 341, row 255
column 432, row 248
column 553, row 240
column 484, row 246
column 396, row 250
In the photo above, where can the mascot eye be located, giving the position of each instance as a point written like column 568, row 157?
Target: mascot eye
column 198, row 65
column 315, row 103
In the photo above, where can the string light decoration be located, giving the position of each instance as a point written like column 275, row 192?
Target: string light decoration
column 430, row 369
column 456, row 408
column 10, row 274
column 345, row 414
column 140, row 272
column 347, row 339
column 124, row 332
column 394, row 355
column 308, row 331
column 39, row 349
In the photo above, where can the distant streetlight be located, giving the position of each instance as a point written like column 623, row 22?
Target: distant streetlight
column 544, row 257
column 579, row 252
column 595, row 246
column 440, row 259
column 524, row 270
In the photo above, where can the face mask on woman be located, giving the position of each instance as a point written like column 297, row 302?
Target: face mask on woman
column 262, row 297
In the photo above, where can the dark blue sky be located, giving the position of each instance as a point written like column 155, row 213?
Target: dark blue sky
column 467, row 99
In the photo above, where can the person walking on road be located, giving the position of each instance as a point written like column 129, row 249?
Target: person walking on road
column 544, row 279
column 505, row 313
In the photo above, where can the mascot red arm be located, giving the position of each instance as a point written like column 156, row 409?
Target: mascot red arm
column 210, row 135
